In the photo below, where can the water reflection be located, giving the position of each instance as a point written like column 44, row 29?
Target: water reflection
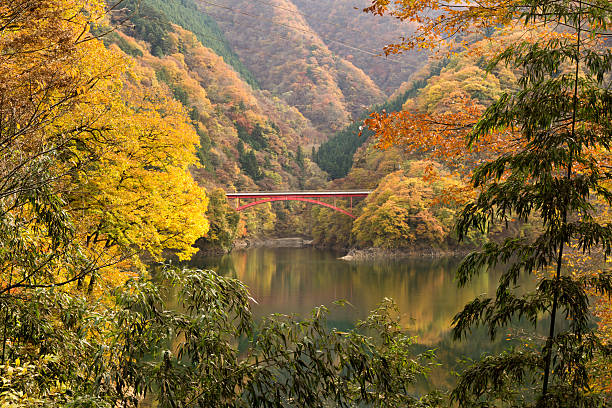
column 290, row 280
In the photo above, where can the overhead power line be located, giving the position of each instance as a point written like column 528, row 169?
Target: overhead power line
column 299, row 29
column 312, row 16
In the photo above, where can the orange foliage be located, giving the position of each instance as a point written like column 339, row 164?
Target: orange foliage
column 442, row 136
column 435, row 29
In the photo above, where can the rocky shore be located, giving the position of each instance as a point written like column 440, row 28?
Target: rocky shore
column 352, row 254
column 368, row 254
column 291, row 242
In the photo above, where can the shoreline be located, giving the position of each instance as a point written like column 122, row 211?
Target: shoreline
column 351, row 254
column 369, row 254
column 288, row 242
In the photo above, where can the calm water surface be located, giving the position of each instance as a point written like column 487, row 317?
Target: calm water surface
column 294, row 280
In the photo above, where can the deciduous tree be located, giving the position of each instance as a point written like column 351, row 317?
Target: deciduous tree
column 94, row 163
column 559, row 122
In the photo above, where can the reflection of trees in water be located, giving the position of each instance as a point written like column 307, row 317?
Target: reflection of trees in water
column 423, row 289
column 290, row 280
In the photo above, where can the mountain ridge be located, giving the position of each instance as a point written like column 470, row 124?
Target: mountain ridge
column 289, row 58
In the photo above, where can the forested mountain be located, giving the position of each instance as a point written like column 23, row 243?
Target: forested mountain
column 398, row 178
column 360, row 38
column 336, row 155
column 287, row 56
column 432, row 89
column 151, row 18
column 249, row 139
column 225, row 111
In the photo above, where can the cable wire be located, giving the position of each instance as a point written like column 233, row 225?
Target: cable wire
column 299, row 29
column 312, row 16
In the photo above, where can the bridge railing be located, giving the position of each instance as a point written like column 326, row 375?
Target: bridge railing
column 305, row 196
column 262, row 194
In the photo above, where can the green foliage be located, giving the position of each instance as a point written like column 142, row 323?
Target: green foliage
column 150, row 25
column 188, row 15
column 204, row 154
column 563, row 110
column 249, row 164
column 314, row 366
column 179, row 93
column 64, row 350
column 299, row 157
column 257, row 138
column 335, row 156
column 129, row 49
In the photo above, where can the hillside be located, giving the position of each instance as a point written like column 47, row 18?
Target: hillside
column 355, row 36
column 337, row 154
column 288, row 57
column 356, row 163
column 249, row 139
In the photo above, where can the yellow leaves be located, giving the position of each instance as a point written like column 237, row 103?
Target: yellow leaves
column 403, row 210
column 141, row 194
column 126, row 145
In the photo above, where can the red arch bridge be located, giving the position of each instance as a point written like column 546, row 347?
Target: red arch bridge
column 314, row 197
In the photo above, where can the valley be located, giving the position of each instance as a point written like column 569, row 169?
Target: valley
column 305, row 203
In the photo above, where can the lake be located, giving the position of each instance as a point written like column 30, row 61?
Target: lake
column 295, row 280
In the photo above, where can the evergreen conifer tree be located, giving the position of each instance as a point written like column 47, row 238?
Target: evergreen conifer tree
column 299, row 157
column 248, row 163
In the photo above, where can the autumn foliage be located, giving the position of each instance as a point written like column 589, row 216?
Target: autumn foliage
column 95, row 160
column 436, row 122
column 407, row 211
column 542, row 156
column 439, row 22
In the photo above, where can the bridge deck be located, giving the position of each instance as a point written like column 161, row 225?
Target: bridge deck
column 302, row 194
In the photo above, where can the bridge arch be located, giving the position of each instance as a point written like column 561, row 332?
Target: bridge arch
column 285, row 198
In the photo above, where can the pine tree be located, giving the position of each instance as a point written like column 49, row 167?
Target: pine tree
column 248, row 163
column 561, row 113
column 299, row 157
